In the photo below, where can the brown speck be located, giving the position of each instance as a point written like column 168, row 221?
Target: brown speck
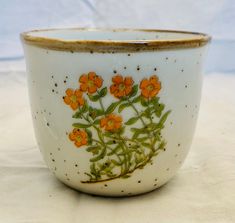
column 105, row 185
column 71, row 51
column 76, row 165
column 178, row 144
column 68, row 179
column 125, row 68
column 164, row 149
column 53, row 90
column 138, row 68
column 46, row 52
column 66, row 77
column 186, row 106
column 155, row 69
column 55, row 168
column 48, row 124
column 182, row 70
column 122, row 191
column 129, row 193
column 155, row 185
column 155, row 179
column 91, row 52
column 65, row 81
column 50, row 153
column 52, row 76
column 64, row 161
column 139, row 181
column 128, row 54
column 186, row 86
column 53, row 160
column 56, row 85
column 175, row 61
column 166, row 58
column 167, row 169
column 115, row 71
column 58, row 149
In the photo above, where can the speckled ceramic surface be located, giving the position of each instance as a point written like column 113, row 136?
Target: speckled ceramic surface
column 114, row 122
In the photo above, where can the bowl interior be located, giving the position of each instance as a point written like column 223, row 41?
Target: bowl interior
column 114, row 35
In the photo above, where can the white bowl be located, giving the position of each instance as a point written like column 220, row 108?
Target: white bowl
column 114, row 111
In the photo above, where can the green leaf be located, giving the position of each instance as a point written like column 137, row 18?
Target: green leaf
column 158, row 109
column 115, row 162
column 144, row 102
column 164, row 118
column 114, row 150
column 146, row 144
column 123, row 106
column 142, row 139
column 112, row 107
column 132, row 121
column 100, row 156
column 136, row 99
column 78, row 114
column 93, row 149
column 94, row 112
column 94, row 98
column 103, row 92
column 154, row 101
column 89, row 133
column 134, row 91
column 97, row 121
column 81, row 125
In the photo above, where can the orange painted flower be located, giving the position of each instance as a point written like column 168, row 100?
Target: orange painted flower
column 79, row 137
column 74, row 98
column 150, row 88
column 90, row 82
column 111, row 122
column 121, row 86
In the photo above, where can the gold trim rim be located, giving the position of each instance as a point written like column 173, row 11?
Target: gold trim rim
column 60, row 44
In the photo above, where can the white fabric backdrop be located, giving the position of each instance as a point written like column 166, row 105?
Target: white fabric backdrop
column 216, row 17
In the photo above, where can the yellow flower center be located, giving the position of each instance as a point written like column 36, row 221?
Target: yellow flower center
column 79, row 138
column 90, row 83
column 110, row 123
column 150, row 87
column 121, row 87
column 73, row 98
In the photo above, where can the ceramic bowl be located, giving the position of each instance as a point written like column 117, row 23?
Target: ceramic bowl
column 114, row 111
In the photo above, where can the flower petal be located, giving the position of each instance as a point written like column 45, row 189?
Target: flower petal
column 74, row 105
column 83, row 78
column 83, row 87
column 128, row 81
column 117, row 79
column 69, row 92
column 144, row 83
column 92, row 89
column 67, row 100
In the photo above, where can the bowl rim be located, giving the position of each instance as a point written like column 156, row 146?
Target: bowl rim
column 112, row 46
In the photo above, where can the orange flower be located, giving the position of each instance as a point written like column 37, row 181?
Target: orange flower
column 150, row 88
column 90, row 82
column 121, row 86
column 111, row 122
column 79, row 137
column 74, row 98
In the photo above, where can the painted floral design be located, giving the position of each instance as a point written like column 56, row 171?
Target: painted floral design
column 79, row 137
column 74, row 98
column 124, row 136
column 121, row 86
column 150, row 88
column 111, row 122
column 90, row 82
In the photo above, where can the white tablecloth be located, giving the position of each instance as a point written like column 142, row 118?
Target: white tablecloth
column 202, row 191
